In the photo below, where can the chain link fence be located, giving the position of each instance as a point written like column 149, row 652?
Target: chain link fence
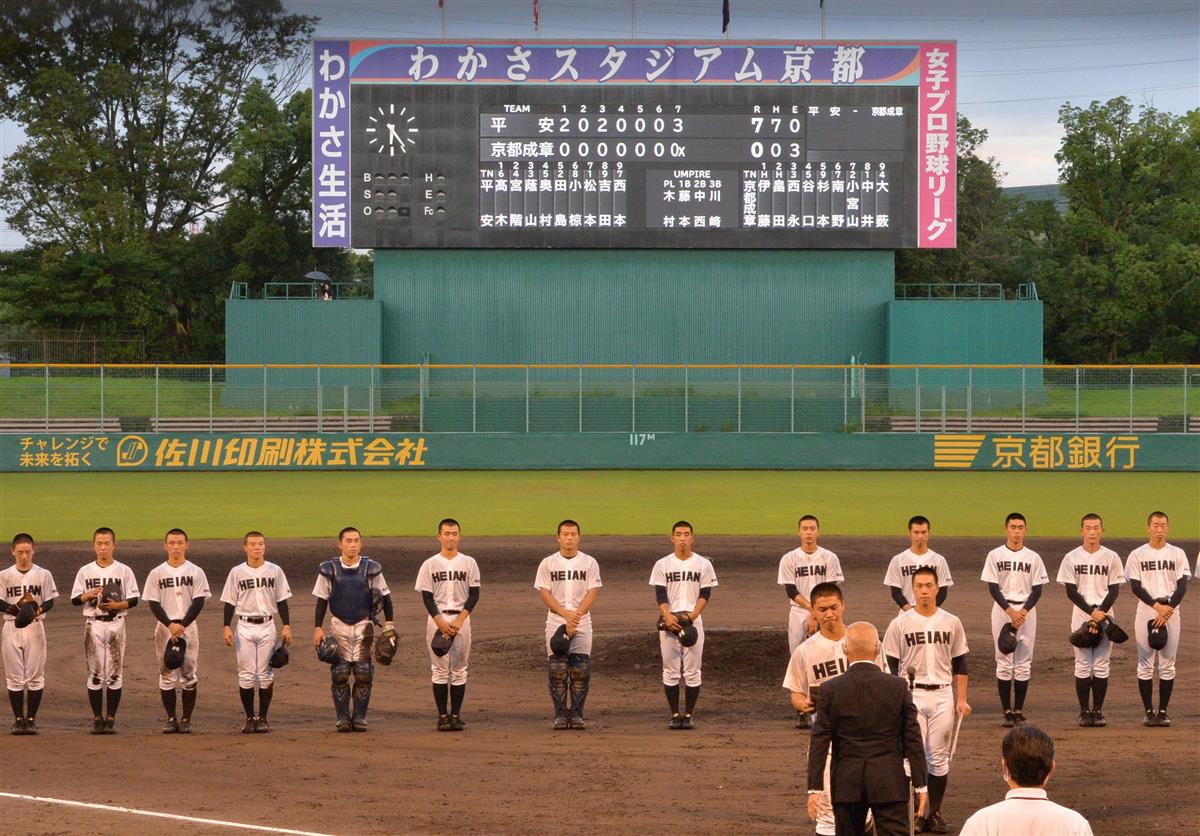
column 598, row 398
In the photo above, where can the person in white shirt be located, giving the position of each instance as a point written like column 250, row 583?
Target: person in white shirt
column 25, row 587
column 1027, row 762
column 900, row 571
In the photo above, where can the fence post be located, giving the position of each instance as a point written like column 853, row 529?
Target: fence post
column 101, row 397
column 1076, row 397
column 917, row 401
column 527, row 399
column 581, row 397
column 862, row 397
column 1023, row 395
column 371, row 399
column 792, row 399
column 47, row 378
column 210, row 398
column 970, row 404
column 156, row 398
column 943, row 409
column 739, row 387
column 320, row 402
column 686, row 399
column 474, row 371
column 633, row 397
column 421, row 382
column 1185, row 394
column 264, row 397
column 345, row 408
column 845, row 397
column 1131, row 397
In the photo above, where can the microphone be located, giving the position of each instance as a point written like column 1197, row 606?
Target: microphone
column 911, row 673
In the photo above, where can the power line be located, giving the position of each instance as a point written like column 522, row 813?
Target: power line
column 992, row 73
column 1066, row 96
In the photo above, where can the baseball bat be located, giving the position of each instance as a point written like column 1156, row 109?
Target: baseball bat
column 954, row 740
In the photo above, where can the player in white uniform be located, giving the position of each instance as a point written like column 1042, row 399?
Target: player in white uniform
column 24, row 649
column 449, row 586
column 104, row 629
column 929, row 647
column 568, row 582
column 1015, row 576
column 1027, row 762
column 349, row 587
column 818, row 659
column 175, row 592
column 900, row 570
column 682, row 582
column 255, row 591
column 1158, row 575
column 1092, row 576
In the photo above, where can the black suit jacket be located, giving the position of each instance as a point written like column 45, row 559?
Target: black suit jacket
column 870, row 719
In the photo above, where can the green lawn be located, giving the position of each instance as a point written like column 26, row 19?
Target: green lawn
column 306, row 504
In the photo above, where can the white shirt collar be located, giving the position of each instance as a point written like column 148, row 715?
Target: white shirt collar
column 1028, row 792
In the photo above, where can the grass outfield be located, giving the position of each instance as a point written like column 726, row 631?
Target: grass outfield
column 307, row 504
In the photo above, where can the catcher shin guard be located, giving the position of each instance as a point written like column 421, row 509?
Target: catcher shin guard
column 340, row 687
column 363, row 676
column 558, row 676
column 581, row 680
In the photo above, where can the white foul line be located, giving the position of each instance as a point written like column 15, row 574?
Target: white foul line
column 153, row 814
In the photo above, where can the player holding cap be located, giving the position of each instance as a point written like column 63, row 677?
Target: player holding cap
column 901, row 568
column 26, row 589
column 929, row 646
column 1015, row 576
column 1092, row 576
column 1158, row 574
column 449, row 586
column 254, row 592
column 683, row 582
column 106, row 590
column 175, row 592
column 568, row 582
column 800, row 570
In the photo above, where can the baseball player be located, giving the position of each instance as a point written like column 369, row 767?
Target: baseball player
column 23, row 648
column 175, row 592
column 900, row 570
column 929, row 646
column 683, row 582
column 816, row 660
column 1158, row 574
column 1015, row 576
column 347, row 586
column 1092, row 576
column 104, row 628
column 255, row 591
column 449, row 586
column 568, row 582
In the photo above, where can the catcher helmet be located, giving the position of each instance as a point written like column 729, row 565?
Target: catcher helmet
column 327, row 651
column 1156, row 637
column 280, row 657
column 1087, row 635
column 173, row 655
column 1006, row 642
column 560, row 643
column 1114, row 632
column 689, row 635
column 440, row 645
column 26, row 615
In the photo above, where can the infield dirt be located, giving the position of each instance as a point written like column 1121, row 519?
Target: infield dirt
column 741, row 771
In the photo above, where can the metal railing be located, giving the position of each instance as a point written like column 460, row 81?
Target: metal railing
column 489, row 397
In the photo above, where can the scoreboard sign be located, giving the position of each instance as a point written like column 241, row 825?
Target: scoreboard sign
column 641, row 145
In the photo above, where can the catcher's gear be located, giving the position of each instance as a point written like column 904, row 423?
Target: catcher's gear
column 173, row 655
column 1115, row 633
column 1087, row 635
column 1006, row 642
column 26, row 611
column 281, row 656
column 1156, row 637
column 386, row 644
column 440, row 645
column 327, row 650
column 689, row 635
column 560, row 642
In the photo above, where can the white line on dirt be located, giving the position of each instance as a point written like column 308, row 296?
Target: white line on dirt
column 153, row 814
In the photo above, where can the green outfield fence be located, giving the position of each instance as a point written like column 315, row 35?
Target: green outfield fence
column 489, row 397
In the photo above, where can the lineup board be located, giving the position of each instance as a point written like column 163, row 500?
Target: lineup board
column 499, row 162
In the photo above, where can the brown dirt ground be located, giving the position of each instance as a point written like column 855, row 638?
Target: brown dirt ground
column 742, row 770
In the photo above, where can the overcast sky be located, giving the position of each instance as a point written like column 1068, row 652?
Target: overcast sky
column 1019, row 60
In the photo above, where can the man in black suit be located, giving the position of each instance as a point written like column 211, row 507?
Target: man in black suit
column 869, row 717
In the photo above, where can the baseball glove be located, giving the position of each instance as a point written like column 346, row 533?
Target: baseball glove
column 26, row 611
column 386, row 644
column 683, row 618
column 1086, row 635
column 110, row 593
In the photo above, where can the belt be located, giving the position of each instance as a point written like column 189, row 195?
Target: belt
column 926, row 687
column 110, row 617
column 451, row 612
column 257, row 619
column 1011, row 601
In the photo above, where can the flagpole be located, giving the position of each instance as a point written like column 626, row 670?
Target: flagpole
column 442, row 8
column 822, row 19
column 633, row 19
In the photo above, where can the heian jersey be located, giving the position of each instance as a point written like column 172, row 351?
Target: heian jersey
column 683, row 579
column 38, row 582
column 926, row 644
column 449, row 579
column 816, row 660
column 92, row 576
column 567, row 580
column 807, row 570
column 174, row 587
column 256, row 591
column 1158, row 570
column 900, row 571
column 1016, row 572
column 1092, row 573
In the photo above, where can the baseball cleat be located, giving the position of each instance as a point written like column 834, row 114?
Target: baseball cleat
column 18, row 726
column 110, row 725
column 1008, row 722
column 918, row 824
column 803, row 721
column 1151, row 718
column 443, row 723
column 31, row 726
column 171, row 726
column 577, row 722
column 98, row 725
column 456, row 724
column 936, row 824
column 185, row 726
column 344, row 725
column 248, row 726
column 561, row 722
column 359, row 724
column 676, row 722
column 1019, row 719
column 261, row 726
column 1085, row 718
column 1163, row 719
column 686, row 722
column 1098, row 718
